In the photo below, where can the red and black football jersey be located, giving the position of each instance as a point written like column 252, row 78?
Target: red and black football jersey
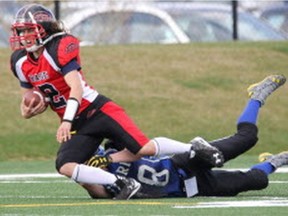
column 60, row 56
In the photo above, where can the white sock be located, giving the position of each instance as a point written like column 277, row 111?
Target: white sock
column 166, row 146
column 92, row 175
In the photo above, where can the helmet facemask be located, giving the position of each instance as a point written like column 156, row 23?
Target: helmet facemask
column 31, row 41
column 27, row 30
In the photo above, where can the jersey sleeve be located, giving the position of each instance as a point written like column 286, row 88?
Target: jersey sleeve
column 15, row 61
column 68, row 50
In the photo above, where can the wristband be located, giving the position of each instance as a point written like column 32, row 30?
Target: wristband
column 71, row 109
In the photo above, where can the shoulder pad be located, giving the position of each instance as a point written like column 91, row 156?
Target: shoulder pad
column 63, row 49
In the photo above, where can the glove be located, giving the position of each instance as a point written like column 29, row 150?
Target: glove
column 99, row 161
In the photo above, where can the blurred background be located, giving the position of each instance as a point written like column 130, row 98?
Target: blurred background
column 164, row 22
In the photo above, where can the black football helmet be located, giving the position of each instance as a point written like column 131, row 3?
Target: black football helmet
column 30, row 27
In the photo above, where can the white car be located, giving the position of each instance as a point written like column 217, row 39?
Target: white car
column 164, row 23
column 213, row 22
column 277, row 16
column 124, row 24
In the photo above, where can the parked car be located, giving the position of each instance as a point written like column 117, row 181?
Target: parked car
column 277, row 16
column 256, row 6
column 124, row 24
column 213, row 22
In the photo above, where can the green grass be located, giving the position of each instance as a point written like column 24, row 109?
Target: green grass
column 60, row 196
column 178, row 91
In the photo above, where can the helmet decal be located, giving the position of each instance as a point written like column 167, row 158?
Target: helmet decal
column 42, row 16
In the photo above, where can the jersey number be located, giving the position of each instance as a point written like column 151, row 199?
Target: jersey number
column 56, row 100
column 149, row 175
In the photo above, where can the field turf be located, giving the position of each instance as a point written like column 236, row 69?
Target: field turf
column 35, row 189
column 177, row 91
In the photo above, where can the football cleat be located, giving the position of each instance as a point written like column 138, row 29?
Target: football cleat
column 260, row 91
column 207, row 153
column 278, row 160
column 128, row 187
column 264, row 156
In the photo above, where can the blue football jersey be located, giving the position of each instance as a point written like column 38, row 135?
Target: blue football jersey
column 158, row 175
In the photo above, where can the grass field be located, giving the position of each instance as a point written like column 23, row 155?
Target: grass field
column 178, row 91
column 33, row 188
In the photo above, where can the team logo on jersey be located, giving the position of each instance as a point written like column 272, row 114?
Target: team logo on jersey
column 71, row 47
column 39, row 77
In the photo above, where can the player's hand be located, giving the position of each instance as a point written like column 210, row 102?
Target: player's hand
column 64, row 132
column 28, row 111
column 99, row 161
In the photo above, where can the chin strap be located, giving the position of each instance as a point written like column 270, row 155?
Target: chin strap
column 43, row 42
column 52, row 37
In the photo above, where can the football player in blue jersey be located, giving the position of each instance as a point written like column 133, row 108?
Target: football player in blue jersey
column 181, row 176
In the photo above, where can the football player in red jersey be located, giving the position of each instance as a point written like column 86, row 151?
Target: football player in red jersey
column 46, row 57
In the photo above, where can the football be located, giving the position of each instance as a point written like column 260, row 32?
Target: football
column 34, row 94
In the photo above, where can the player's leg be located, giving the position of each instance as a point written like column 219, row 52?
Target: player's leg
column 229, row 183
column 118, row 126
column 73, row 153
column 96, row 191
column 270, row 163
column 246, row 136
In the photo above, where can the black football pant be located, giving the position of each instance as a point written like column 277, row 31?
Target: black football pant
column 222, row 182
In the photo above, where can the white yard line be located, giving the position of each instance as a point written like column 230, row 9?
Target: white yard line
column 29, row 175
column 244, row 203
column 56, row 175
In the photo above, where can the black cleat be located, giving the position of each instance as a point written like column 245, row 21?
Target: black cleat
column 128, row 188
column 207, row 153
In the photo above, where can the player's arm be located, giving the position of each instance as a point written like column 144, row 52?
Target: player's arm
column 28, row 110
column 67, row 59
column 97, row 191
column 76, row 91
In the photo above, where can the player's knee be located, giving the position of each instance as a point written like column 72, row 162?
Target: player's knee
column 249, row 133
column 148, row 149
column 258, row 179
column 67, row 169
column 60, row 165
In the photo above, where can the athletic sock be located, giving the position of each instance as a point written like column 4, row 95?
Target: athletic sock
column 250, row 113
column 166, row 146
column 265, row 167
column 92, row 175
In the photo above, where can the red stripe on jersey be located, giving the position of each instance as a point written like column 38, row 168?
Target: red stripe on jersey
column 118, row 114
